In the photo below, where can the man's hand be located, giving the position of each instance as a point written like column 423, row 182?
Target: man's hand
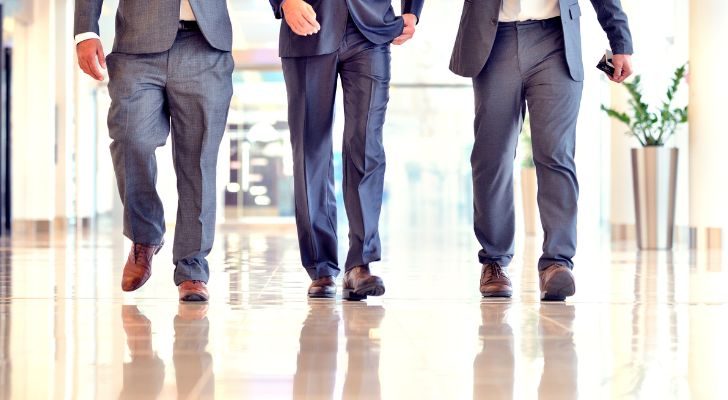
column 88, row 52
column 410, row 20
column 301, row 17
column 622, row 67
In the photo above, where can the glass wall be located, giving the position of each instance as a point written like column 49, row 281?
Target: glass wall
column 260, row 169
column 428, row 133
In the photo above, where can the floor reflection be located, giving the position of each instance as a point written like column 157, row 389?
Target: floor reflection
column 144, row 374
column 316, row 365
column 560, row 364
column 494, row 365
column 192, row 363
column 361, row 327
column 5, row 366
column 642, row 326
column 5, row 293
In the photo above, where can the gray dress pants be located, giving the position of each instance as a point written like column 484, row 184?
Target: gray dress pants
column 186, row 89
column 527, row 68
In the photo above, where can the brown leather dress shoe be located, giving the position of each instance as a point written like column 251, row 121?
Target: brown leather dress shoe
column 322, row 288
column 138, row 266
column 556, row 283
column 494, row 281
column 193, row 291
column 360, row 283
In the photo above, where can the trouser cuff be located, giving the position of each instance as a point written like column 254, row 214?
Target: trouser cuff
column 191, row 270
column 321, row 270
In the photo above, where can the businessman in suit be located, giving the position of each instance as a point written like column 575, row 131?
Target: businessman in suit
column 170, row 68
column 320, row 41
column 527, row 53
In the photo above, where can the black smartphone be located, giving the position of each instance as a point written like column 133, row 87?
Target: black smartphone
column 605, row 64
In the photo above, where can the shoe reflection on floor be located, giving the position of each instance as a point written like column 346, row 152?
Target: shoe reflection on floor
column 555, row 328
column 494, row 366
column 316, row 364
column 192, row 363
column 361, row 327
column 144, row 375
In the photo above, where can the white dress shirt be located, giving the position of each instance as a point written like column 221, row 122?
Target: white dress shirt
column 185, row 14
column 185, row 11
column 524, row 10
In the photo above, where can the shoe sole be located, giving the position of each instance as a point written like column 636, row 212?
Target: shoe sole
column 193, row 298
column 559, row 287
column 362, row 293
column 497, row 294
column 322, row 295
column 137, row 287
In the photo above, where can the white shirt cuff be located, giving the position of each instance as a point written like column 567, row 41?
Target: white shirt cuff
column 86, row 36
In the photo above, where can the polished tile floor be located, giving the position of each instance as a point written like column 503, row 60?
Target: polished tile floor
column 650, row 325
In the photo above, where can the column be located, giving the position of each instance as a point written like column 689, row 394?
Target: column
column 65, row 63
column 708, row 136
column 33, row 116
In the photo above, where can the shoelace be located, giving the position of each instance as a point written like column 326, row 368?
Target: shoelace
column 496, row 271
column 138, row 253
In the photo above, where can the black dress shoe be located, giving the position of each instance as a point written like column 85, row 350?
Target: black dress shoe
column 494, row 281
column 360, row 283
column 323, row 288
column 556, row 283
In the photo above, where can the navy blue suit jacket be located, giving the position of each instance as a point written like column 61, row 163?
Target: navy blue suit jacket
column 374, row 18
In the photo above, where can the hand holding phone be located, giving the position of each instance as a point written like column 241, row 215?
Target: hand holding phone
column 618, row 67
column 605, row 64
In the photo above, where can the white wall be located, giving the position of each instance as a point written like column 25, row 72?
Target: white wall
column 659, row 31
column 64, row 74
column 33, row 115
column 708, row 139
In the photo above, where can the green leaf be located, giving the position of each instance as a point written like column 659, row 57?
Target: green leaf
column 652, row 128
column 624, row 118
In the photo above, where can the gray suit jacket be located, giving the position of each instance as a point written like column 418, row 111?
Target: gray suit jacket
column 150, row 26
column 479, row 24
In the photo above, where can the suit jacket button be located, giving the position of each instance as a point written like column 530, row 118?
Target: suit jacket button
column 494, row 21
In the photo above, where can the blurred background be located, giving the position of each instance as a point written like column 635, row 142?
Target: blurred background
column 57, row 174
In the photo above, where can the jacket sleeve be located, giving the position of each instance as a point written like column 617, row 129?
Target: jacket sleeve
column 614, row 23
column 277, row 10
column 86, row 16
column 413, row 7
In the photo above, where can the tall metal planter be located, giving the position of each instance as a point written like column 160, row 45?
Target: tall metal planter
column 654, row 177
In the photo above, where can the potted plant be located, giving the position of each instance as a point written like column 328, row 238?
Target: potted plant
column 529, row 185
column 654, row 165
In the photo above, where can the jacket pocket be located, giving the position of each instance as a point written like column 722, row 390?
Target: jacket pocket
column 574, row 11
